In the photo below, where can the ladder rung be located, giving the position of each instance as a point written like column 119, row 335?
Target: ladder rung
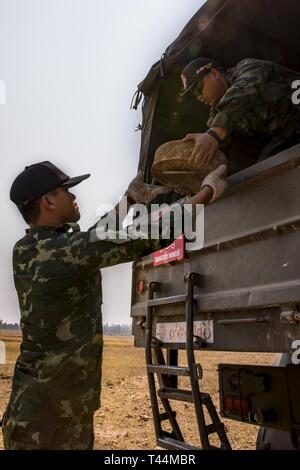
column 168, row 370
column 214, row 427
column 169, row 443
column 165, row 416
column 176, row 394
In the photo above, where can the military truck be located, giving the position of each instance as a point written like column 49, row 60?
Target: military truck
column 241, row 290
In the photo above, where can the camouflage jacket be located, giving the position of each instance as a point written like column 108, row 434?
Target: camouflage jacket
column 259, row 100
column 58, row 282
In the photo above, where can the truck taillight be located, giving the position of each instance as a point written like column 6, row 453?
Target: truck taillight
column 233, row 405
column 141, row 286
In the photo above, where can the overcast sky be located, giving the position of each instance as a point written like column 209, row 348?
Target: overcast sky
column 70, row 69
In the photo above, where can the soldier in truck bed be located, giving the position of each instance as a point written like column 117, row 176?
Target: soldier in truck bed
column 253, row 99
column 57, row 377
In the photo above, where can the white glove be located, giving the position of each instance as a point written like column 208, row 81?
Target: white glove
column 216, row 180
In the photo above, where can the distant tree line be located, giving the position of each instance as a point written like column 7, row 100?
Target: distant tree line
column 113, row 330
column 9, row 326
column 117, row 330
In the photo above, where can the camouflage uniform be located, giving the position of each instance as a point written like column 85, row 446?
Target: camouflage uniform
column 57, row 377
column 259, row 102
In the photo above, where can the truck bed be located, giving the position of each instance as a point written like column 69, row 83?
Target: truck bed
column 249, row 262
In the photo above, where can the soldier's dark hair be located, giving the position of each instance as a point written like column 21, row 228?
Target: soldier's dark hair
column 32, row 210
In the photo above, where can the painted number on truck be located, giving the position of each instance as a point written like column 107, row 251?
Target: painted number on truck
column 176, row 332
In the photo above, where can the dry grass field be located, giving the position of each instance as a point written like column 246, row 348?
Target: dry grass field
column 124, row 420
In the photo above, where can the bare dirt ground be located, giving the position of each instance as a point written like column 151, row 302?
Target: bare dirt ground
column 125, row 420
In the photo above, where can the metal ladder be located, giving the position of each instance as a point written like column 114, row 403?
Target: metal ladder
column 167, row 376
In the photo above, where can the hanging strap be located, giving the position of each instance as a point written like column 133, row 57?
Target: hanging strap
column 162, row 65
column 136, row 99
column 139, row 127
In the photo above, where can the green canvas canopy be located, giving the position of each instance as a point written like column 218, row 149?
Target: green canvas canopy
column 228, row 31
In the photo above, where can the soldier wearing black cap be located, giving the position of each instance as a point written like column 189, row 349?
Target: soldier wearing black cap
column 253, row 98
column 57, row 378
column 56, row 385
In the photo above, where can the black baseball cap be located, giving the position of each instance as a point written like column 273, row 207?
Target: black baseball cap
column 37, row 180
column 195, row 71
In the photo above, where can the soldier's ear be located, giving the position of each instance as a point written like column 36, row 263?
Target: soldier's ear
column 47, row 202
column 216, row 73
